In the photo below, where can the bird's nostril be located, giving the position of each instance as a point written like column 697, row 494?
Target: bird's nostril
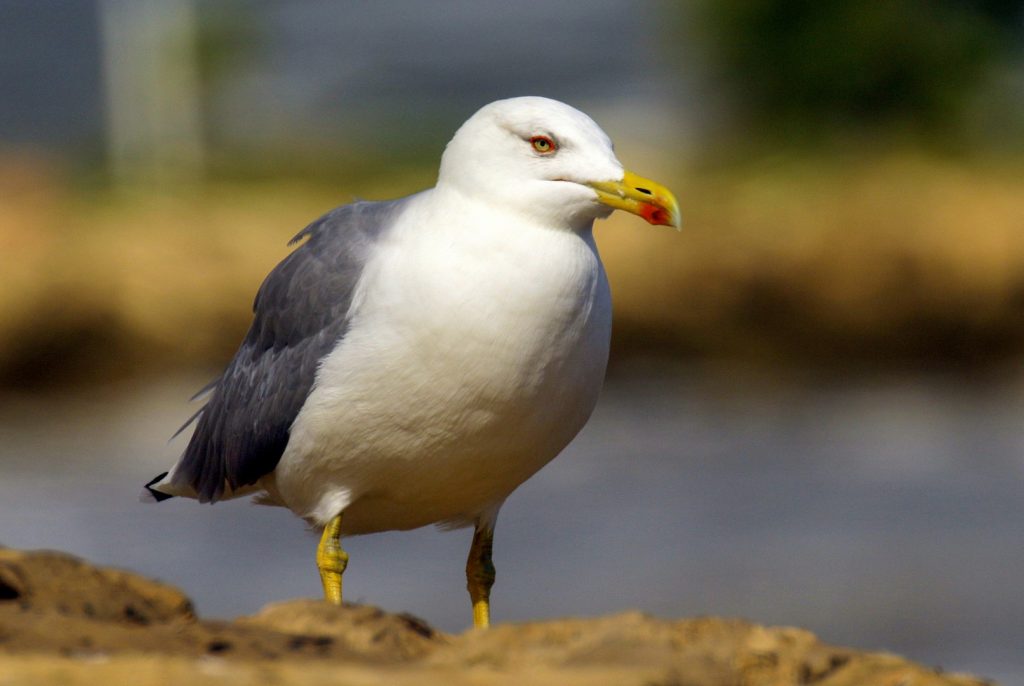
column 644, row 191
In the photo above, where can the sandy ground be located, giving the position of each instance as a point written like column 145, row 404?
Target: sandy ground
column 64, row 621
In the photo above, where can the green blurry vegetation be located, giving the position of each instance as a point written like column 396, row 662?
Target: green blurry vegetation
column 228, row 36
column 862, row 205
column 806, row 72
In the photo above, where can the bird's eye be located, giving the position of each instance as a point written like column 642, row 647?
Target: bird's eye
column 543, row 144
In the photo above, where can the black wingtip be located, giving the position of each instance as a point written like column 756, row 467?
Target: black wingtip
column 158, row 496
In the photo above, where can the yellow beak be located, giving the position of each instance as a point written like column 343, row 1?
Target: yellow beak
column 641, row 196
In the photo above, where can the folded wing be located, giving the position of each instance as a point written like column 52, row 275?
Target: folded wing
column 300, row 313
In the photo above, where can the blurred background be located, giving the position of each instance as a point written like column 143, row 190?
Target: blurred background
column 814, row 409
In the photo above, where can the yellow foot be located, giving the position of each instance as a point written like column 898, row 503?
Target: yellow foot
column 482, row 614
column 480, row 576
column 331, row 560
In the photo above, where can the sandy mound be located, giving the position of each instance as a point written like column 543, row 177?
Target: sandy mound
column 65, row 621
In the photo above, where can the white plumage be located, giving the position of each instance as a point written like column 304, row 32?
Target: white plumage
column 476, row 353
column 415, row 361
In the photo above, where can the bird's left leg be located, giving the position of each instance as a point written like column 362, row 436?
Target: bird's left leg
column 480, row 574
column 331, row 560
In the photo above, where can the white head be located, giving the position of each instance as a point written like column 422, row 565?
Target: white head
column 545, row 159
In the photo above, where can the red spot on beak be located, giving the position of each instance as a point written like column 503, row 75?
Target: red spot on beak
column 654, row 214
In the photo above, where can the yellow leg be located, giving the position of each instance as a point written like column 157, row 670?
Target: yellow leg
column 331, row 560
column 480, row 576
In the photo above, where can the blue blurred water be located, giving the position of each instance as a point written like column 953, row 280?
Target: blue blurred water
column 882, row 513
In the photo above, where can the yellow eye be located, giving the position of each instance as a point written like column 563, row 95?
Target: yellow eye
column 543, row 144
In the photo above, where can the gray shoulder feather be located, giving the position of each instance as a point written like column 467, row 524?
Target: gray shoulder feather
column 300, row 313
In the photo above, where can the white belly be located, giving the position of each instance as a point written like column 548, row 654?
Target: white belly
column 466, row 369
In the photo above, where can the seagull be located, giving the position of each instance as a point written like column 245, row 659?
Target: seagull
column 414, row 361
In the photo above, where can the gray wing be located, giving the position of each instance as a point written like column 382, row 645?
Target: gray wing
column 300, row 313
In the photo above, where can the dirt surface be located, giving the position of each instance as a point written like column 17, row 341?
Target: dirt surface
column 64, row 621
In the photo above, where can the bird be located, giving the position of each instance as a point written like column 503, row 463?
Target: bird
column 413, row 361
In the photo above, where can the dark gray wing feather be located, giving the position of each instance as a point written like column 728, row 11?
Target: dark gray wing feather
column 300, row 314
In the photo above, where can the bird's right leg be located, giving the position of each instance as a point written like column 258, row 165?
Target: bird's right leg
column 331, row 560
column 480, row 575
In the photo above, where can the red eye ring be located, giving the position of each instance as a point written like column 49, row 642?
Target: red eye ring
column 543, row 144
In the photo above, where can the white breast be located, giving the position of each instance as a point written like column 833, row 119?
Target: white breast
column 476, row 353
